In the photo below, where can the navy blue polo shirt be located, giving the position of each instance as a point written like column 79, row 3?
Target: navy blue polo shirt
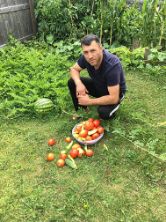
column 110, row 72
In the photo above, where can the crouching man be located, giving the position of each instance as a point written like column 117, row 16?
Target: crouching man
column 106, row 82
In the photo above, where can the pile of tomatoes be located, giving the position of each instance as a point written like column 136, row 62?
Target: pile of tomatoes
column 72, row 151
column 88, row 130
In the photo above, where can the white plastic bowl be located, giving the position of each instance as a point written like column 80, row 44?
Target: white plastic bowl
column 91, row 142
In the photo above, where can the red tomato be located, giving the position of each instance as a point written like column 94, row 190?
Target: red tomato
column 96, row 122
column 63, row 156
column 95, row 136
column 83, row 133
column 88, row 125
column 89, row 152
column 88, row 138
column 75, row 146
column 60, row 163
column 100, row 129
column 50, row 157
column 90, row 119
column 73, row 153
column 68, row 139
column 51, row 142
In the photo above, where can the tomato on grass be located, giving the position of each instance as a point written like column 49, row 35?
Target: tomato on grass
column 63, row 156
column 68, row 139
column 50, row 156
column 73, row 153
column 89, row 152
column 51, row 142
column 60, row 163
column 76, row 146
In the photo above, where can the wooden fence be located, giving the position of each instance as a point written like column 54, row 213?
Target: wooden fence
column 16, row 18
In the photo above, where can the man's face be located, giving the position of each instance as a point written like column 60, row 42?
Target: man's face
column 93, row 53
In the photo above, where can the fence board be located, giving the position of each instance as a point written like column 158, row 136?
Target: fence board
column 16, row 18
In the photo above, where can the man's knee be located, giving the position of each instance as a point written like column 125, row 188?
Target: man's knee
column 108, row 112
column 103, row 113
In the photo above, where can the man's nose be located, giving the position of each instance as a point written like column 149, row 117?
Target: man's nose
column 89, row 55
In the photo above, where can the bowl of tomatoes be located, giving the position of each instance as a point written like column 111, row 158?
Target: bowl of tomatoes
column 88, row 132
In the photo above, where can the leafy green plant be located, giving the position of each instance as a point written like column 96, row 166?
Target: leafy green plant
column 123, row 53
column 28, row 73
column 157, row 56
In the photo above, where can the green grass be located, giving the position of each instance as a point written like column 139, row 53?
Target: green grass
column 122, row 183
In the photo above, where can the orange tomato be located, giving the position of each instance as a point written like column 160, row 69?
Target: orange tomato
column 100, row 129
column 63, row 156
column 83, row 133
column 78, row 129
column 50, row 157
column 89, row 152
column 51, row 142
column 68, row 139
column 76, row 146
column 90, row 119
column 88, row 138
column 60, row 163
column 95, row 136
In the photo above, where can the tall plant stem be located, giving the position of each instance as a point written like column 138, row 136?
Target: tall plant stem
column 71, row 18
column 101, row 20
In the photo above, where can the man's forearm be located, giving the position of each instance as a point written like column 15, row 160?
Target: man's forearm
column 104, row 100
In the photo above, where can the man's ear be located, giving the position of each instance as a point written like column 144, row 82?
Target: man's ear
column 100, row 45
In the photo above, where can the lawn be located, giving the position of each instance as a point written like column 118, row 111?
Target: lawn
column 122, row 183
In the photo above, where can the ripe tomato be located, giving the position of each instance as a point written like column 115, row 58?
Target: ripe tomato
column 100, row 129
column 60, row 163
column 75, row 146
column 96, row 122
column 73, row 153
column 78, row 129
column 88, row 138
column 83, row 133
column 63, row 156
column 68, row 139
column 90, row 119
column 88, row 125
column 95, row 136
column 89, row 152
column 50, row 157
column 51, row 142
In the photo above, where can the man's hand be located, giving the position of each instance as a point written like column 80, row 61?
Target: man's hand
column 81, row 90
column 84, row 100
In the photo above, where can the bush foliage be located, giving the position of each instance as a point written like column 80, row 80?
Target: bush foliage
column 28, row 73
column 113, row 20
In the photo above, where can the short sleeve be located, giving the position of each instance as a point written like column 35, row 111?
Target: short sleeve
column 113, row 75
column 82, row 62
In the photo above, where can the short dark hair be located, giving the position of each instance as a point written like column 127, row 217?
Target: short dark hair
column 87, row 40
